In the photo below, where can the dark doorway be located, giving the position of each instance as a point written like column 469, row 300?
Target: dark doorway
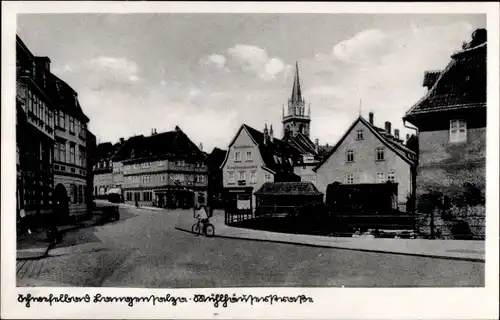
column 61, row 203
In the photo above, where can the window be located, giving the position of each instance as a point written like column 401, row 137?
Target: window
column 380, row 177
column 73, row 193
column 146, row 179
column 72, row 153
column 231, row 176
column 180, row 163
column 458, row 131
column 56, row 151
column 350, row 156
column 241, row 176
column 80, row 194
column 62, row 151
column 163, row 177
column 391, row 176
column 71, row 124
column 379, row 154
column 51, row 124
column 147, row 196
column 237, row 156
column 129, row 196
column 253, row 177
column 349, row 178
column 359, row 134
column 249, row 156
column 147, row 164
column 267, row 177
column 62, row 122
column 179, row 177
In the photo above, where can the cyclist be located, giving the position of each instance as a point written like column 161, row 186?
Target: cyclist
column 202, row 215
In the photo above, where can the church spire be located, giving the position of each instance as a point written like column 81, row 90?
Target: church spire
column 296, row 92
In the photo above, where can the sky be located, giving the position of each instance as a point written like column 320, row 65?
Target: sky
column 210, row 73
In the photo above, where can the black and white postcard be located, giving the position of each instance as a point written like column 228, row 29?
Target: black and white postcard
column 247, row 160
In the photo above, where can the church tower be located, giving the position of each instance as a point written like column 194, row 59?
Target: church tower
column 296, row 120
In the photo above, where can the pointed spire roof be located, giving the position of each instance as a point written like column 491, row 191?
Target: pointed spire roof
column 296, row 92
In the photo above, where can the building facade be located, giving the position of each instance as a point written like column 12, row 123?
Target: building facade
column 367, row 154
column 34, row 133
column 71, row 161
column 103, row 168
column 253, row 158
column 451, row 122
column 164, row 170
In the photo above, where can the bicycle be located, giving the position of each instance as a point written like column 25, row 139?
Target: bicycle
column 206, row 228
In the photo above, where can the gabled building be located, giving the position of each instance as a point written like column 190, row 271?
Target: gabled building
column 367, row 154
column 451, row 122
column 165, row 170
column 253, row 158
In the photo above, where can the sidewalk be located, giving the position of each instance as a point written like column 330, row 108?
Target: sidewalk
column 106, row 202
column 32, row 246
column 445, row 249
column 36, row 245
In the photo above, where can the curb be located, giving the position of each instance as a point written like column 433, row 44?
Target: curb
column 51, row 245
column 43, row 255
column 344, row 248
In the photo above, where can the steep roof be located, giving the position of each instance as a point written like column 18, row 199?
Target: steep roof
column 296, row 92
column 388, row 140
column 65, row 98
column 288, row 189
column 106, row 150
column 162, row 145
column 275, row 153
column 462, row 84
column 216, row 158
column 302, row 143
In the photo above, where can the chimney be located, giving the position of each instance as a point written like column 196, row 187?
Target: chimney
column 271, row 134
column 201, row 146
column 388, row 127
column 396, row 133
column 370, row 118
column 177, row 129
column 122, row 140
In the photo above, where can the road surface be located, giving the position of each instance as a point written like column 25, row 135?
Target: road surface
column 144, row 249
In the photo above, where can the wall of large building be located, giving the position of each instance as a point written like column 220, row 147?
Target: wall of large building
column 365, row 166
column 102, row 183
column 148, row 177
column 443, row 168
